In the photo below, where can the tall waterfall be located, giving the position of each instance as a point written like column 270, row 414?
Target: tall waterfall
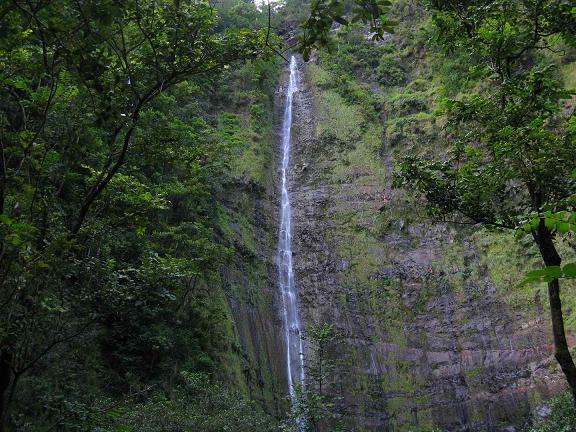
column 290, row 314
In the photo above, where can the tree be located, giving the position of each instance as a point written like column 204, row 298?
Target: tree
column 324, row 13
column 319, row 366
column 77, row 80
column 313, row 408
column 511, row 149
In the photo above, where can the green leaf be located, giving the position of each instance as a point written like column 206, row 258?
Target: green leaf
column 570, row 270
column 5, row 220
column 551, row 272
column 563, row 227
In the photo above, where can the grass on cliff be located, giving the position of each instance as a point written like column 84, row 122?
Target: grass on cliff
column 507, row 261
column 561, row 416
column 405, row 85
column 342, row 118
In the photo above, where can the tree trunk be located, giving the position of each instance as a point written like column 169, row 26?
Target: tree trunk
column 3, row 176
column 561, row 351
column 7, row 383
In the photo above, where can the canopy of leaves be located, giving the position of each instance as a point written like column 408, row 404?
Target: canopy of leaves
column 324, row 13
column 112, row 164
column 506, row 159
column 512, row 149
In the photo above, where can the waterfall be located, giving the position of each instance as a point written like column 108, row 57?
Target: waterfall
column 290, row 313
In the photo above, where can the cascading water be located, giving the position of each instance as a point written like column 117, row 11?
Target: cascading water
column 290, row 313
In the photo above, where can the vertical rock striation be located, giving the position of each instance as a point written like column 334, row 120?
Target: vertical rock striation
column 425, row 338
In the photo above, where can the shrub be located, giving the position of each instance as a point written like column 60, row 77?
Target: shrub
column 405, row 104
column 562, row 416
column 390, row 71
column 195, row 405
column 410, row 131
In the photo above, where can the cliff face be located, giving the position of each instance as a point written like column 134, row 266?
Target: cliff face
column 255, row 358
column 251, row 356
column 427, row 333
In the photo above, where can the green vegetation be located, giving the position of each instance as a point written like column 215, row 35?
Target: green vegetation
column 561, row 417
column 511, row 150
column 313, row 410
column 323, row 13
column 136, row 141
column 138, row 198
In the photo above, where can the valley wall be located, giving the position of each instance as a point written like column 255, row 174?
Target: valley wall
column 431, row 331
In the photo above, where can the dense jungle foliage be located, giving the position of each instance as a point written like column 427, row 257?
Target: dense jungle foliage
column 120, row 123
column 135, row 134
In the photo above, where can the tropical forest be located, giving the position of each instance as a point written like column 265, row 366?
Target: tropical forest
column 287, row 215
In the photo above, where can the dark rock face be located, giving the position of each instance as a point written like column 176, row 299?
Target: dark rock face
column 425, row 337
column 255, row 362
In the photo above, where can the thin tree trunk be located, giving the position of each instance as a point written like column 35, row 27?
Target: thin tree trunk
column 3, row 176
column 7, row 383
column 561, row 351
column 98, row 188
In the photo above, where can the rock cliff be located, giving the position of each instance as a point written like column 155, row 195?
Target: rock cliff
column 426, row 335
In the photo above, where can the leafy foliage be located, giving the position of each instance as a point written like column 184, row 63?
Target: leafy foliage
column 494, row 145
column 502, row 34
column 562, row 417
column 111, row 243
column 314, row 409
column 324, row 13
column 511, row 148
column 197, row 404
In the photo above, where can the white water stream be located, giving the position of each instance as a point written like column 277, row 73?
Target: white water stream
column 290, row 313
